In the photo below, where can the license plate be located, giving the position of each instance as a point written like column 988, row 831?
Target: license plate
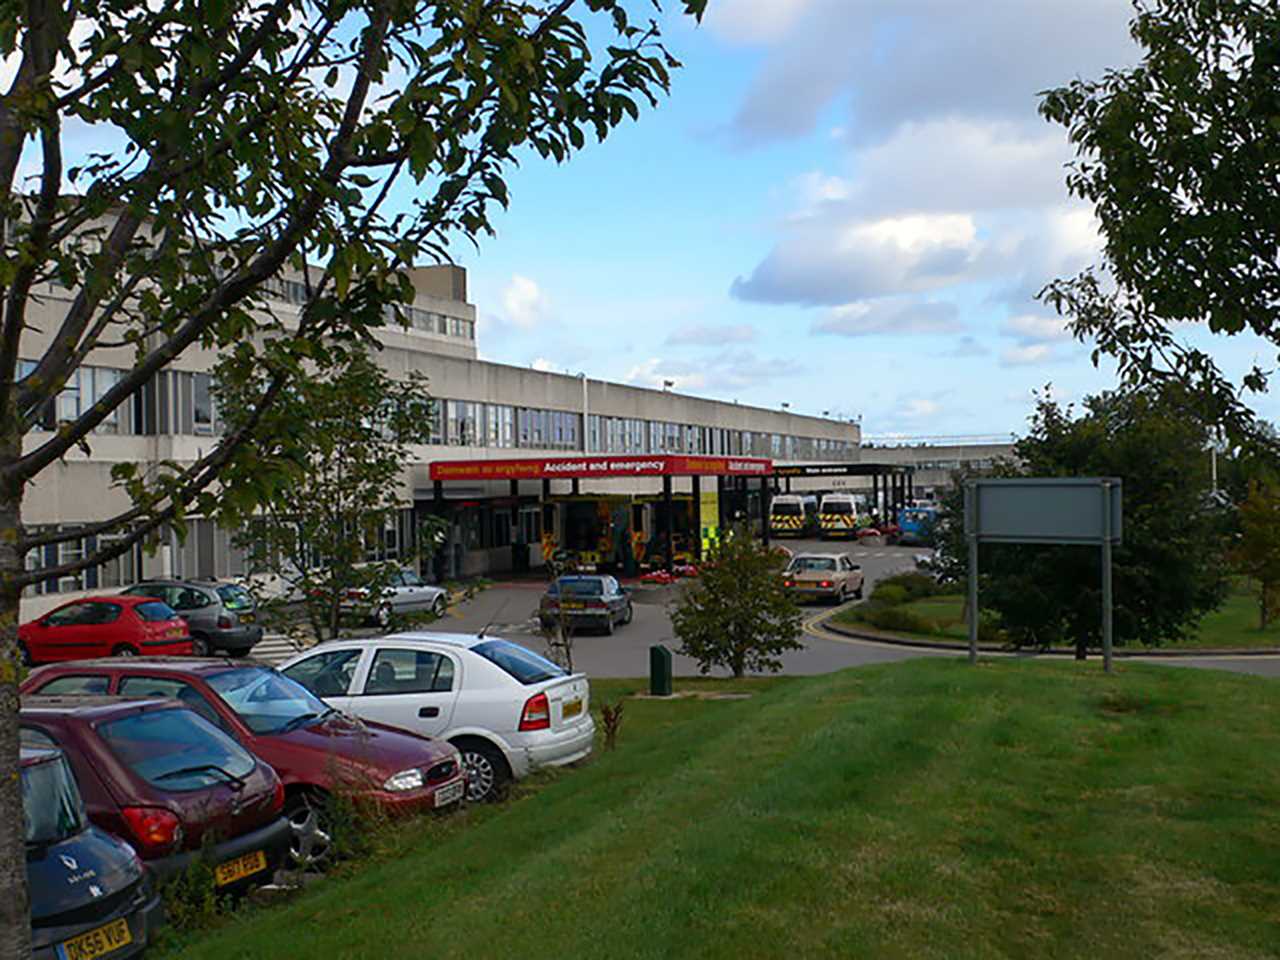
column 95, row 943
column 571, row 708
column 239, row 868
column 176, row 633
column 574, row 606
column 450, row 793
column 246, row 618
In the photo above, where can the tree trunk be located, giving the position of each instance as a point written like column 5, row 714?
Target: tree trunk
column 1263, row 611
column 1082, row 648
column 15, row 942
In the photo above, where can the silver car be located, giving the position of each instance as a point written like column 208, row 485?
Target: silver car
column 405, row 592
column 585, row 601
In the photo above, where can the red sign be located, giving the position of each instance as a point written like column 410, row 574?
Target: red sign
column 582, row 468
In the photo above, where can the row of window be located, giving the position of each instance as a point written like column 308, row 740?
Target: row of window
column 429, row 321
column 180, row 402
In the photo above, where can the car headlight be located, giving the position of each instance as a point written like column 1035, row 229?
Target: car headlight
column 405, row 780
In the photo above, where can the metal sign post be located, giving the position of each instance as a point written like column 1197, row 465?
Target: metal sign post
column 1066, row 510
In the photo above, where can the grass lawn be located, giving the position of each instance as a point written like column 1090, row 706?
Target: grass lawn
column 920, row 809
column 1234, row 624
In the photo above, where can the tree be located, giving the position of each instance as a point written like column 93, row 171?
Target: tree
column 1257, row 553
column 738, row 614
column 346, row 141
column 1170, row 568
column 347, row 436
column 1178, row 157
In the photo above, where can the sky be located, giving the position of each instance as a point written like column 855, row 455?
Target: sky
column 845, row 206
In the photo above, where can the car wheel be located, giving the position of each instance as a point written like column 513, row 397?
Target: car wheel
column 487, row 771
column 842, row 596
column 199, row 646
column 608, row 625
column 857, row 594
column 438, row 607
column 310, row 836
column 124, row 650
column 628, row 615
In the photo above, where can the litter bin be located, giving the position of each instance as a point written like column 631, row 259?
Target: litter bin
column 659, row 671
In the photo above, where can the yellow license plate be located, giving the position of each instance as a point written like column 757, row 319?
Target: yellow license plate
column 95, row 943
column 177, row 632
column 239, row 868
column 571, row 709
column 574, row 606
column 246, row 618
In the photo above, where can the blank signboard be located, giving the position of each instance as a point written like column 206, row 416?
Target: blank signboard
column 1055, row 510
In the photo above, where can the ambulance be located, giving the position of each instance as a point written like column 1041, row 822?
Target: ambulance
column 838, row 516
column 793, row 515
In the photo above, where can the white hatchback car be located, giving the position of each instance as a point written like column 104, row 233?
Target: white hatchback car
column 506, row 709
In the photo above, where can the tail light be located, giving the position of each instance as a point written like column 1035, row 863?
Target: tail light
column 596, row 604
column 157, row 830
column 537, row 713
column 826, row 583
column 277, row 801
column 788, row 583
column 224, row 622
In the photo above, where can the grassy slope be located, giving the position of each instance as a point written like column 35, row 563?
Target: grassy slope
column 924, row 809
column 1233, row 625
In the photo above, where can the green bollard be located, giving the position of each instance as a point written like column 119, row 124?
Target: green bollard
column 659, row 671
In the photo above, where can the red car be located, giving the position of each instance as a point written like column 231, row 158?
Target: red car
column 102, row 627
column 166, row 780
column 315, row 750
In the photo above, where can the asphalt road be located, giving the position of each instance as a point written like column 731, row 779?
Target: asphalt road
column 508, row 611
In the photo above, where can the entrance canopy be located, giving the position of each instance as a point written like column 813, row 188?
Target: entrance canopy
column 841, row 469
column 583, row 468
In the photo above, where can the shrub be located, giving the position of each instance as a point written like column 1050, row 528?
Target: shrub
column 888, row 595
column 913, row 585
column 898, row 618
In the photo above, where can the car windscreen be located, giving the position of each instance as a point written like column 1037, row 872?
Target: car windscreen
column 805, row 564
column 525, row 665
column 578, row 588
column 235, row 597
column 785, row 509
column 51, row 807
column 153, row 611
column 840, row 508
column 176, row 749
column 267, row 701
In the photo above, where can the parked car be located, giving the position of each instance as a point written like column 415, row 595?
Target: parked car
column 508, row 710
column 315, row 750
column 405, row 592
column 823, row 576
column 219, row 616
column 104, row 626
column 168, row 781
column 585, row 600
column 90, row 894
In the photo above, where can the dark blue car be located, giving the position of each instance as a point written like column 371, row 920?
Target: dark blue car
column 90, row 895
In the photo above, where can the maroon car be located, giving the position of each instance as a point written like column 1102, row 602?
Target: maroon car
column 167, row 781
column 316, row 751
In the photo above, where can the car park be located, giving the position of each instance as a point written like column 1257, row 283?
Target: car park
column 823, row 576
column 219, row 616
column 317, row 751
column 90, row 894
column 104, row 626
column 507, row 709
column 404, row 592
column 167, row 781
column 585, row 601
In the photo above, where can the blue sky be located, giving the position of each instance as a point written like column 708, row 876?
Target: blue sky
column 844, row 205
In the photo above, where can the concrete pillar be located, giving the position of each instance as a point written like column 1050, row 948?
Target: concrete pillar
column 764, row 510
column 668, row 528
column 696, row 482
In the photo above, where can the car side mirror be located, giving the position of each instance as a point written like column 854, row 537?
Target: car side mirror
column 857, row 566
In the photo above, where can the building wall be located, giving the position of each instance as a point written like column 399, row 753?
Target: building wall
column 174, row 419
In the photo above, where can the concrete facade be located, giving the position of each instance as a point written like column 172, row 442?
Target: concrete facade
column 483, row 410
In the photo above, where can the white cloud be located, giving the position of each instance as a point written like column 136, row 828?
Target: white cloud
column 1032, row 328
column 754, row 21
column 543, row 365
column 713, row 336
column 889, row 317
column 1028, row 355
column 966, row 347
column 657, row 373
column 524, row 304
column 730, row 369
column 920, row 408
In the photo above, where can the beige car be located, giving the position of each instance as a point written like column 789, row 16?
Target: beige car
column 823, row 576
